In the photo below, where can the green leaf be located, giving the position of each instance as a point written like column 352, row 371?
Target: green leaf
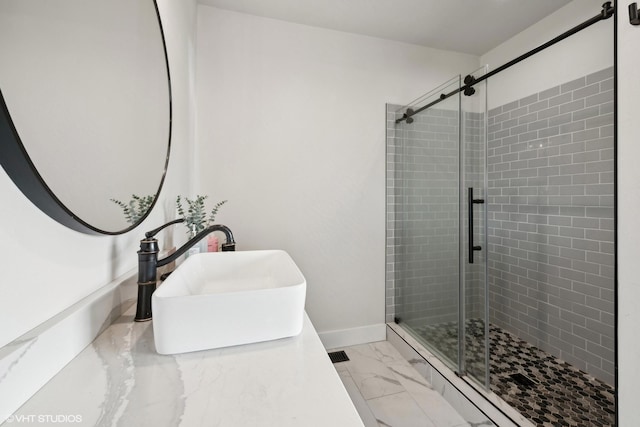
column 195, row 218
column 136, row 208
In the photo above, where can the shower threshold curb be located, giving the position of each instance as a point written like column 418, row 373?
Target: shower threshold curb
column 469, row 399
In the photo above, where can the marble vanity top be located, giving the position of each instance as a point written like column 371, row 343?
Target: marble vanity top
column 120, row 380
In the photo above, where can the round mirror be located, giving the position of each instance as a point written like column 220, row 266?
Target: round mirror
column 86, row 121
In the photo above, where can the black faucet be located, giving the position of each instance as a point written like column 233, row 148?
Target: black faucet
column 148, row 262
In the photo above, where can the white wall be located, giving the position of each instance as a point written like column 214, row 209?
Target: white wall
column 47, row 267
column 291, row 130
column 628, row 228
column 583, row 53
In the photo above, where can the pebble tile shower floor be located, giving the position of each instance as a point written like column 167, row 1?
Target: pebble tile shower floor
column 560, row 395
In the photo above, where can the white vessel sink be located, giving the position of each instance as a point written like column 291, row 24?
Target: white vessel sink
column 221, row 299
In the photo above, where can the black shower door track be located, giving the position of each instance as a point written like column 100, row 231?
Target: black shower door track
column 606, row 13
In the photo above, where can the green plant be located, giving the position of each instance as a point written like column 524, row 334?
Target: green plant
column 136, row 208
column 195, row 217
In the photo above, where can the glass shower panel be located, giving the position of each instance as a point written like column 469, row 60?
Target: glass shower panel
column 474, row 304
column 427, row 215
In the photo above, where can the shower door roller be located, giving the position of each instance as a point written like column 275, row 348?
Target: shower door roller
column 472, row 201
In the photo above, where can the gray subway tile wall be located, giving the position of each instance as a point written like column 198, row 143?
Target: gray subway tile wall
column 473, row 139
column 551, row 221
column 422, row 216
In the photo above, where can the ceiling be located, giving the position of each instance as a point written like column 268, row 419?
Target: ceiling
column 468, row 26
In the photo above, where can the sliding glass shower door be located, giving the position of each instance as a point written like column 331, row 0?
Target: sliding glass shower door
column 440, row 225
column 474, row 184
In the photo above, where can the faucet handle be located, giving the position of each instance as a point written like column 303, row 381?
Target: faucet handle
column 155, row 231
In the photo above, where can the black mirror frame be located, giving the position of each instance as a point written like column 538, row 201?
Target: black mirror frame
column 18, row 165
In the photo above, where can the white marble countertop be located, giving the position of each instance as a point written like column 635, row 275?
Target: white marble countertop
column 120, row 380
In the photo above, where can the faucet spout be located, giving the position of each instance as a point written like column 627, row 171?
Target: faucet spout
column 229, row 245
column 148, row 263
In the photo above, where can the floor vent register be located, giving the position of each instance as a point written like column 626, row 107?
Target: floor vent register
column 338, row 356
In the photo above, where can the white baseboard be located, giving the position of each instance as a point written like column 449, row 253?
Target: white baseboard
column 353, row 336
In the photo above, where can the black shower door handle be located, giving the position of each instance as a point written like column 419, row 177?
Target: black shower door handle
column 472, row 201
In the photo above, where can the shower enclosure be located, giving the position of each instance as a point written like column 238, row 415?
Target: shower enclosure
column 500, row 241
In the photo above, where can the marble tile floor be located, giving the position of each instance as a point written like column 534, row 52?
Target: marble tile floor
column 388, row 392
